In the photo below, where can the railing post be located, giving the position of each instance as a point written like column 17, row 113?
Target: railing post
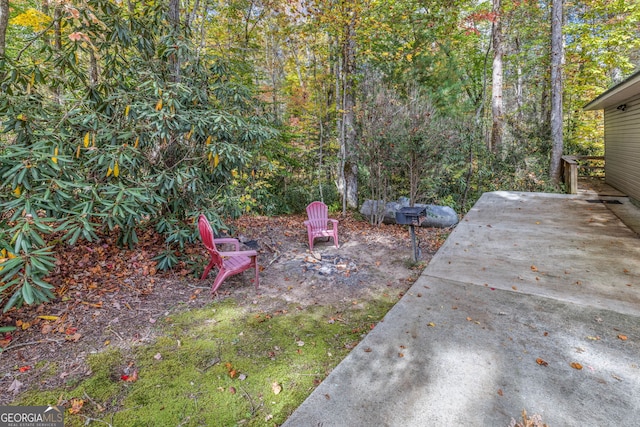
column 573, row 180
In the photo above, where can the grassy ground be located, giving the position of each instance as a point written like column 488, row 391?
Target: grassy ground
column 221, row 365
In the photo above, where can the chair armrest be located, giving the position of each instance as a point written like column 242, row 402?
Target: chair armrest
column 335, row 221
column 236, row 253
column 228, row 240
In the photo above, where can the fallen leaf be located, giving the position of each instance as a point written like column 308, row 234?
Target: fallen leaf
column 622, row 337
column 24, row 368
column 276, row 388
column 158, row 356
column 48, row 317
column 368, row 350
column 76, row 406
column 541, row 362
column 514, row 288
column 232, row 390
column 534, row 268
column 596, row 338
column 400, row 354
column 75, row 337
column 576, row 365
column 15, row 387
column 431, row 324
column 500, row 393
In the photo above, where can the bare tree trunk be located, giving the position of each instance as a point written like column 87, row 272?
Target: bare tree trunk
column 348, row 185
column 497, row 107
column 519, row 81
column 4, row 21
column 556, row 90
column 174, row 21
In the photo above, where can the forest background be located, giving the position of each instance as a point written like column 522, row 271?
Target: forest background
column 119, row 116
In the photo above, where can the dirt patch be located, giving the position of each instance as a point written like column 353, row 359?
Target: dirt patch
column 112, row 298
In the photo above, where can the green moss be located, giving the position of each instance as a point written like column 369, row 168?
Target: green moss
column 221, row 366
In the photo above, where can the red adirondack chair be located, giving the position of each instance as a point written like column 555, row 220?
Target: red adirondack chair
column 318, row 223
column 228, row 263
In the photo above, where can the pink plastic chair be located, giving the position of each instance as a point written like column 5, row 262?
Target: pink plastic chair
column 318, row 222
column 228, row 263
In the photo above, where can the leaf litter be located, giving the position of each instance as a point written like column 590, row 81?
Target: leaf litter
column 107, row 295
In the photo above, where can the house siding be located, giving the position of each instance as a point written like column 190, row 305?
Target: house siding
column 622, row 147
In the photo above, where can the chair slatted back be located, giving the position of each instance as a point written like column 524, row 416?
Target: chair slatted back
column 318, row 214
column 206, row 234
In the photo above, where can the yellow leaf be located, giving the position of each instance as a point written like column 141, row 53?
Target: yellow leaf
column 76, row 406
column 17, row 191
column 159, row 105
column 54, row 159
column 431, row 324
column 86, row 140
column 48, row 317
column 78, row 152
column 135, row 144
column 109, row 171
column 126, row 111
column 3, row 252
column 208, row 140
column 31, row 18
column 116, row 170
column 576, row 365
column 216, row 161
column 11, row 255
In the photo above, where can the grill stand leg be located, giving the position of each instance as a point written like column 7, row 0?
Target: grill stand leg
column 412, row 231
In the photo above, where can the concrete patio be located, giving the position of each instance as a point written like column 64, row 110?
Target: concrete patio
column 528, row 288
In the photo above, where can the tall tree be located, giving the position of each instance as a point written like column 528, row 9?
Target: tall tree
column 174, row 23
column 497, row 106
column 348, row 180
column 556, row 89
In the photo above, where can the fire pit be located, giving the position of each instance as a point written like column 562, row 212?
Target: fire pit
column 411, row 216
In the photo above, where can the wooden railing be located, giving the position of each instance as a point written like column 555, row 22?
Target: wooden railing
column 574, row 166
